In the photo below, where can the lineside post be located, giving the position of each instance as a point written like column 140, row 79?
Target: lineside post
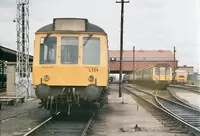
column 121, row 44
column 174, row 77
column 133, row 63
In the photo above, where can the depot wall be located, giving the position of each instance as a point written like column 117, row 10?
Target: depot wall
column 12, row 81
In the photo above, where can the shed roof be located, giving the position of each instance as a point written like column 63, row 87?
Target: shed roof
column 9, row 54
column 142, row 54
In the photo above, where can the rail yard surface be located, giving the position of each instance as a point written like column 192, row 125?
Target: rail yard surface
column 114, row 119
column 122, row 118
column 17, row 120
column 187, row 95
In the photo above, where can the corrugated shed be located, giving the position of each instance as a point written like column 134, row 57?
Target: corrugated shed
column 142, row 54
column 143, row 59
column 128, row 66
column 9, row 54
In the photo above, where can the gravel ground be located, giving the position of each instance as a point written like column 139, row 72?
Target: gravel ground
column 19, row 119
column 115, row 119
column 122, row 118
column 187, row 96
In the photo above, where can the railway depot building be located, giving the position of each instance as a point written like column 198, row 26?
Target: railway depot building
column 142, row 59
column 8, row 56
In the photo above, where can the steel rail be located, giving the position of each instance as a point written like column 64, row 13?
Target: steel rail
column 180, row 119
column 192, row 129
column 87, row 126
column 181, row 101
column 83, row 132
column 188, row 88
column 39, row 126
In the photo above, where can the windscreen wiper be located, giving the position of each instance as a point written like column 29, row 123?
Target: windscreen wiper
column 45, row 38
column 87, row 39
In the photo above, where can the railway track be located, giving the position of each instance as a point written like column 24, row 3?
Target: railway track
column 189, row 88
column 185, row 116
column 62, row 127
column 181, row 100
column 188, row 114
column 168, row 94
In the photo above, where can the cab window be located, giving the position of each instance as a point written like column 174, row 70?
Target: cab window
column 48, row 50
column 162, row 71
column 91, row 51
column 69, row 50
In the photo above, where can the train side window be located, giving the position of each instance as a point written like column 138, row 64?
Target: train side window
column 48, row 50
column 157, row 71
column 91, row 51
column 167, row 71
column 69, row 50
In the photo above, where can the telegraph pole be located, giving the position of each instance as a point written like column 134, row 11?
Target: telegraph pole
column 174, row 65
column 133, row 63
column 121, row 44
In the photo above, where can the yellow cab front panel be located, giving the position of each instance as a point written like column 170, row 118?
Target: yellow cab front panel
column 78, row 73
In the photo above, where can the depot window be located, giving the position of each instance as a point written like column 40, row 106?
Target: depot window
column 48, row 50
column 91, row 51
column 69, row 50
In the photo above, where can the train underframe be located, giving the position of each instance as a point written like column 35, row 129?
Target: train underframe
column 160, row 85
column 68, row 99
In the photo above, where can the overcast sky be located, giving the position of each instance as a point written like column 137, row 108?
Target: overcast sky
column 149, row 24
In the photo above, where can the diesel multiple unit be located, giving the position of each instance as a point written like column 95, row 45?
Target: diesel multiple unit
column 158, row 76
column 70, row 67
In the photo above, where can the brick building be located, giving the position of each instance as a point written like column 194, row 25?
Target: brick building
column 143, row 59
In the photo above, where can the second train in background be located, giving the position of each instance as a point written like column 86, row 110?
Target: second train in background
column 158, row 76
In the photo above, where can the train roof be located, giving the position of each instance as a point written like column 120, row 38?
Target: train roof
column 156, row 65
column 88, row 27
column 162, row 65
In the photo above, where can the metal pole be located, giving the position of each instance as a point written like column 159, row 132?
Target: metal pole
column 22, row 20
column 121, row 44
column 174, row 65
column 133, row 64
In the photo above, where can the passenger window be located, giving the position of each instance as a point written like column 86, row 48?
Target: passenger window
column 69, row 50
column 167, row 71
column 91, row 51
column 48, row 50
column 157, row 71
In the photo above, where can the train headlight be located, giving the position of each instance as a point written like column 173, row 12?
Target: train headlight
column 91, row 78
column 46, row 77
